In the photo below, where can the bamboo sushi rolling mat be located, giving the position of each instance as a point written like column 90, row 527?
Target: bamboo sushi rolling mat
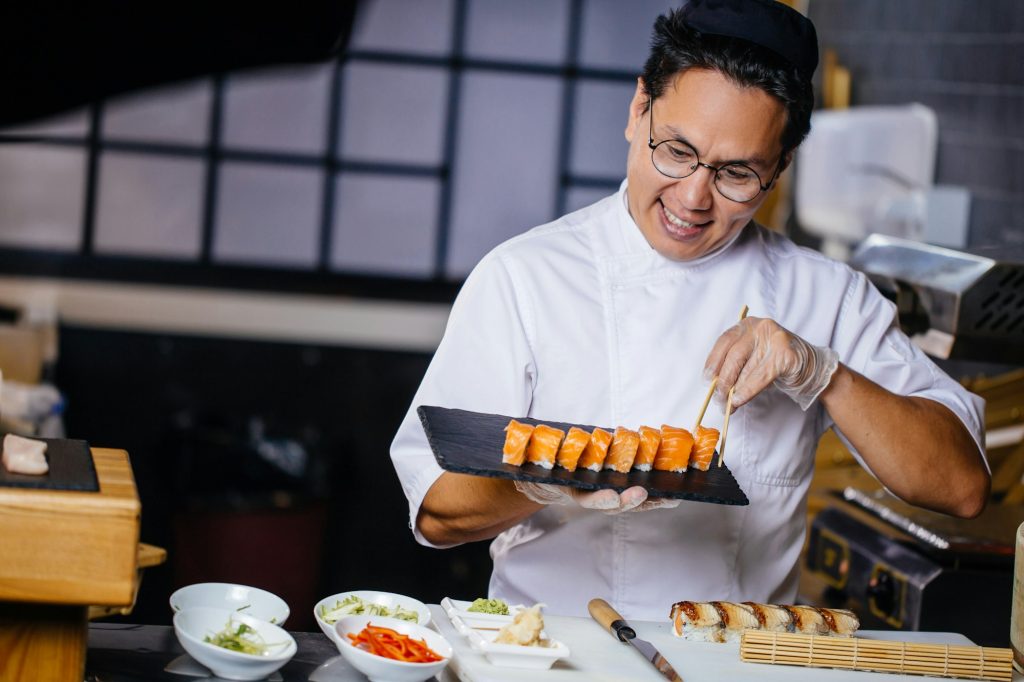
column 853, row 653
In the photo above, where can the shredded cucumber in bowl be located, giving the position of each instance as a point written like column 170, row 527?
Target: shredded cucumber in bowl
column 354, row 606
column 242, row 638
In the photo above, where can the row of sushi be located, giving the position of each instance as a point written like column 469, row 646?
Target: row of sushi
column 667, row 449
column 723, row 621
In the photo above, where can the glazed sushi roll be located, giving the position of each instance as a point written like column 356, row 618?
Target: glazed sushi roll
column 596, row 450
column 735, row 619
column 809, row 620
column 674, row 451
column 697, row 621
column 772, row 617
column 517, row 436
column 704, row 441
column 722, row 621
column 843, row 623
column 543, row 445
column 572, row 447
column 623, row 450
column 650, row 439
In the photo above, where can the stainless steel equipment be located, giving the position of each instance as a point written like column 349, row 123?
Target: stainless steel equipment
column 902, row 567
column 953, row 304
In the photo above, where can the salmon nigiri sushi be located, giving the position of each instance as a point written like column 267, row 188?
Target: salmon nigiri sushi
column 543, row 445
column 596, row 450
column 623, row 450
column 572, row 448
column 650, row 439
column 704, row 441
column 516, row 437
column 674, row 451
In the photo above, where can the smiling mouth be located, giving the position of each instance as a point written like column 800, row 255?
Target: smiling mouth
column 679, row 227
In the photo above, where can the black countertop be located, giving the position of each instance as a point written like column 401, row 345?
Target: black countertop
column 119, row 653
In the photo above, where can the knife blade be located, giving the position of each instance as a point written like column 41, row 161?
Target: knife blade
column 610, row 620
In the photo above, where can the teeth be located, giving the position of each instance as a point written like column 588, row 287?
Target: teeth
column 676, row 220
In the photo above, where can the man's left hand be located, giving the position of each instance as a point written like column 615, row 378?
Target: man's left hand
column 759, row 352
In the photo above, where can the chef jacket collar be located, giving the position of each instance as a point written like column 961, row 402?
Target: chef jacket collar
column 634, row 241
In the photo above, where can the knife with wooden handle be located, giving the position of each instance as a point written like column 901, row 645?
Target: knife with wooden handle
column 610, row 620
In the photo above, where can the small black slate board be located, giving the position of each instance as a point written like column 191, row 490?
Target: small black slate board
column 467, row 442
column 71, row 468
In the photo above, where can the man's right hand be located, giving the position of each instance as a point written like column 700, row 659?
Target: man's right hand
column 607, row 500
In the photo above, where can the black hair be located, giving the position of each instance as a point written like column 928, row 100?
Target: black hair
column 676, row 47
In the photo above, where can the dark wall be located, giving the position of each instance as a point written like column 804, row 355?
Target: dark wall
column 183, row 408
column 965, row 60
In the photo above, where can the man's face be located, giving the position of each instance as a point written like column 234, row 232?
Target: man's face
column 682, row 219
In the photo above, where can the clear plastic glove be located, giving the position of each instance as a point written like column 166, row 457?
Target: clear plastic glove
column 758, row 352
column 607, row 501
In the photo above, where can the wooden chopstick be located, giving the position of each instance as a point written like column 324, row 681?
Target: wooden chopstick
column 711, row 392
column 707, row 399
column 725, row 426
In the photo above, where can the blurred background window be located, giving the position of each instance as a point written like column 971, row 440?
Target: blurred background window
column 389, row 171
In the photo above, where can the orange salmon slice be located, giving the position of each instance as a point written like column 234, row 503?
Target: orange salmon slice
column 674, row 451
column 596, row 450
column 572, row 447
column 517, row 435
column 543, row 445
column 704, row 447
column 623, row 450
column 650, row 439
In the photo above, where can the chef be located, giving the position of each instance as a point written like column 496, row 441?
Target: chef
column 620, row 314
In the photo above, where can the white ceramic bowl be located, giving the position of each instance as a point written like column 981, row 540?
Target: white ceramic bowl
column 513, row 655
column 386, row 599
column 192, row 625
column 381, row 669
column 251, row 601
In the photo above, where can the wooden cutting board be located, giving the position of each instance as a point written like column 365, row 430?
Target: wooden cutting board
column 597, row 657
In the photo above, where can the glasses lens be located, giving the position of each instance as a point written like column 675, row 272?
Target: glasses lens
column 675, row 159
column 737, row 182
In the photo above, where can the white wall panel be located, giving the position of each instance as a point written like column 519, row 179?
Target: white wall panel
column 617, row 34
column 394, row 113
column 414, row 26
column 149, row 206
column 522, row 31
column 268, row 215
column 506, row 171
column 175, row 114
column 279, row 109
column 385, row 225
column 41, row 194
column 599, row 120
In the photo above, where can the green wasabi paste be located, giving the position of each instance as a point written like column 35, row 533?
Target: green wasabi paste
column 495, row 606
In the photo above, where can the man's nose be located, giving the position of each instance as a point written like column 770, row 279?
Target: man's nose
column 696, row 191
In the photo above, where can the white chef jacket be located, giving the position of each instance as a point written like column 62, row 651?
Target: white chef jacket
column 580, row 320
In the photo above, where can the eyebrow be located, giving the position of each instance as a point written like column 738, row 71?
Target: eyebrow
column 678, row 136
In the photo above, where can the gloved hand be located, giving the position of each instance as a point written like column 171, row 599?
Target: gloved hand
column 759, row 352
column 607, row 500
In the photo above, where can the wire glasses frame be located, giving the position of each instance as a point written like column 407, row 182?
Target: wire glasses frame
column 676, row 159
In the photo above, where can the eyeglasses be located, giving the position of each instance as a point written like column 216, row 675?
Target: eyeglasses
column 735, row 181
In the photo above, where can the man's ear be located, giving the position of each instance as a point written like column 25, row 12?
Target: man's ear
column 637, row 108
column 786, row 160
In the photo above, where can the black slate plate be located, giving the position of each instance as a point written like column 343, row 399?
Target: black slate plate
column 71, row 468
column 467, row 442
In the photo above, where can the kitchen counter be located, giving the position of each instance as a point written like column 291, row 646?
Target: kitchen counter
column 119, row 653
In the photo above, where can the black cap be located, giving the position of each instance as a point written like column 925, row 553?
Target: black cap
column 767, row 23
